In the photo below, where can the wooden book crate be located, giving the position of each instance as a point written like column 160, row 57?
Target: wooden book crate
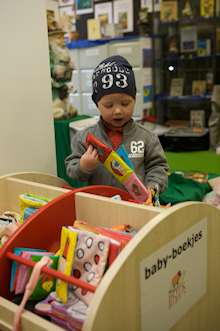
column 117, row 302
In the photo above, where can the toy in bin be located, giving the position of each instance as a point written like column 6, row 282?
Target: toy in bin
column 85, row 253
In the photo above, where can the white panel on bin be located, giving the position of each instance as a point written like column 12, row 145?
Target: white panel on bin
column 129, row 50
column 88, row 106
column 90, row 57
column 137, row 74
column 75, row 79
column 73, row 52
column 138, row 111
column 75, row 102
column 86, row 80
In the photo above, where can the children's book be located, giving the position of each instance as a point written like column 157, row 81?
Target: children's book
column 197, row 118
column 188, row 39
column 94, row 29
column 207, row 8
column 176, row 87
column 16, row 265
column 169, row 11
column 204, row 47
column 46, row 283
column 198, row 87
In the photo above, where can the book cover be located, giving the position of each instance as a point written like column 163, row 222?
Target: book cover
column 168, row 11
column 93, row 29
column 198, row 87
column 188, row 39
column 197, row 118
column 204, row 47
column 207, row 8
column 176, row 87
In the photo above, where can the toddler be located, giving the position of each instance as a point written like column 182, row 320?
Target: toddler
column 114, row 93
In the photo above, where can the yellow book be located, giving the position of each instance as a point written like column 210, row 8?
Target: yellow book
column 207, row 8
column 198, row 87
column 168, row 11
column 93, row 29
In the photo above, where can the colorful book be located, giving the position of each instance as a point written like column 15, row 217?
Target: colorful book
column 188, row 39
column 197, row 118
column 207, row 8
column 204, row 47
column 198, row 87
column 46, row 283
column 169, row 11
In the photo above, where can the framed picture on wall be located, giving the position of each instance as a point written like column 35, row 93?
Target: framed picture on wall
column 84, row 6
column 123, row 13
column 67, row 18
column 66, row 3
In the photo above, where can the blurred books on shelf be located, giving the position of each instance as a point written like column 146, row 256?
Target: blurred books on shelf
column 93, row 29
column 204, row 47
column 188, row 39
column 197, row 118
column 198, row 87
column 113, row 30
column 207, row 8
column 176, row 87
column 169, row 11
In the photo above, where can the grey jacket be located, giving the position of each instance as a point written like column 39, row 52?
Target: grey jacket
column 144, row 151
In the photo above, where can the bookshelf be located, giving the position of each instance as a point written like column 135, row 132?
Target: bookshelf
column 176, row 56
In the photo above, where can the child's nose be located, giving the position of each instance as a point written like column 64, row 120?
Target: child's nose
column 117, row 109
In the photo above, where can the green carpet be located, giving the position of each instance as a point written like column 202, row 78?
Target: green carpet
column 203, row 161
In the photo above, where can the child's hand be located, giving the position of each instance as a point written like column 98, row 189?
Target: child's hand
column 89, row 159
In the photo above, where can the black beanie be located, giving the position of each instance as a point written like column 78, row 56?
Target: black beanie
column 113, row 75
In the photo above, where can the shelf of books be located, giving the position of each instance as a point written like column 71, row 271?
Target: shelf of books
column 186, row 58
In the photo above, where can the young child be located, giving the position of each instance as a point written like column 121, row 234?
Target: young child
column 114, row 92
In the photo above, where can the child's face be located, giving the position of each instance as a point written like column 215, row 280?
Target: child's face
column 116, row 109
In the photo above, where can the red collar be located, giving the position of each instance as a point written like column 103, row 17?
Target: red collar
column 115, row 136
column 110, row 129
